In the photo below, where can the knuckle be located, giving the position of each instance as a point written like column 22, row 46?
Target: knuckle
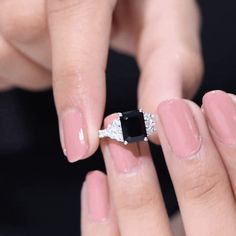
column 136, row 202
column 188, row 59
column 191, row 63
column 202, row 187
column 60, row 6
column 195, row 63
column 23, row 19
column 64, row 6
column 5, row 51
column 181, row 58
column 69, row 74
column 139, row 197
column 70, row 82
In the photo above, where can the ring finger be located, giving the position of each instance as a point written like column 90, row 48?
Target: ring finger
column 134, row 188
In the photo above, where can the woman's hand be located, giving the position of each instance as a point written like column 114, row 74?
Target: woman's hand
column 70, row 39
column 201, row 161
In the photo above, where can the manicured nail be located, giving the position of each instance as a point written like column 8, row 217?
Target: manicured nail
column 125, row 157
column 74, row 136
column 97, row 196
column 221, row 113
column 180, row 127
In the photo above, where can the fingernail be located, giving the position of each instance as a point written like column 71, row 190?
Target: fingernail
column 97, row 196
column 221, row 113
column 74, row 136
column 125, row 157
column 179, row 127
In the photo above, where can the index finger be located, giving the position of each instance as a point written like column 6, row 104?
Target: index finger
column 80, row 32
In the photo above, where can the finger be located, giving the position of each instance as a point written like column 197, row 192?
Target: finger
column 30, row 17
column 4, row 86
column 134, row 188
column 80, row 33
column 39, row 52
column 169, row 52
column 98, row 216
column 201, row 183
column 220, row 111
column 17, row 70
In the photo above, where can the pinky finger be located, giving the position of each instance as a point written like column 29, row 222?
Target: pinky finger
column 98, row 217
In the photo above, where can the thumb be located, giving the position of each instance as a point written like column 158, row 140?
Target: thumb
column 169, row 54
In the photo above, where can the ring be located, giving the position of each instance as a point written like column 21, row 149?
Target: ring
column 130, row 126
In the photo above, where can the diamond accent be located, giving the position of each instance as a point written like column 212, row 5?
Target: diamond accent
column 114, row 130
column 150, row 123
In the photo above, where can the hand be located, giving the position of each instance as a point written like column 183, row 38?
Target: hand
column 75, row 36
column 201, row 163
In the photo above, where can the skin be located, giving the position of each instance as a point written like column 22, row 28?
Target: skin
column 64, row 44
column 203, row 180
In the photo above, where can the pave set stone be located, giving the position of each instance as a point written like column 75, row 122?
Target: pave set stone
column 150, row 123
column 131, row 126
column 113, row 131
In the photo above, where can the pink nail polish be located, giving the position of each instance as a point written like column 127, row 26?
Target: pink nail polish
column 125, row 157
column 180, row 127
column 97, row 196
column 74, row 136
column 221, row 113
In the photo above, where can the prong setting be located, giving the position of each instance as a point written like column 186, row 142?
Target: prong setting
column 131, row 126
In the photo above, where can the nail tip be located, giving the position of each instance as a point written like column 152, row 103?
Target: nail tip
column 69, row 158
column 74, row 136
column 167, row 102
column 212, row 93
column 80, row 155
column 94, row 172
column 74, row 159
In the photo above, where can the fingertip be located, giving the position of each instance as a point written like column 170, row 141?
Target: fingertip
column 220, row 112
column 97, row 195
column 212, row 94
column 95, row 174
column 180, row 127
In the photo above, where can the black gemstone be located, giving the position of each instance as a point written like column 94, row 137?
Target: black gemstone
column 133, row 126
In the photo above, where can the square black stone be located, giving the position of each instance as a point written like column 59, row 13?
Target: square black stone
column 133, row 126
